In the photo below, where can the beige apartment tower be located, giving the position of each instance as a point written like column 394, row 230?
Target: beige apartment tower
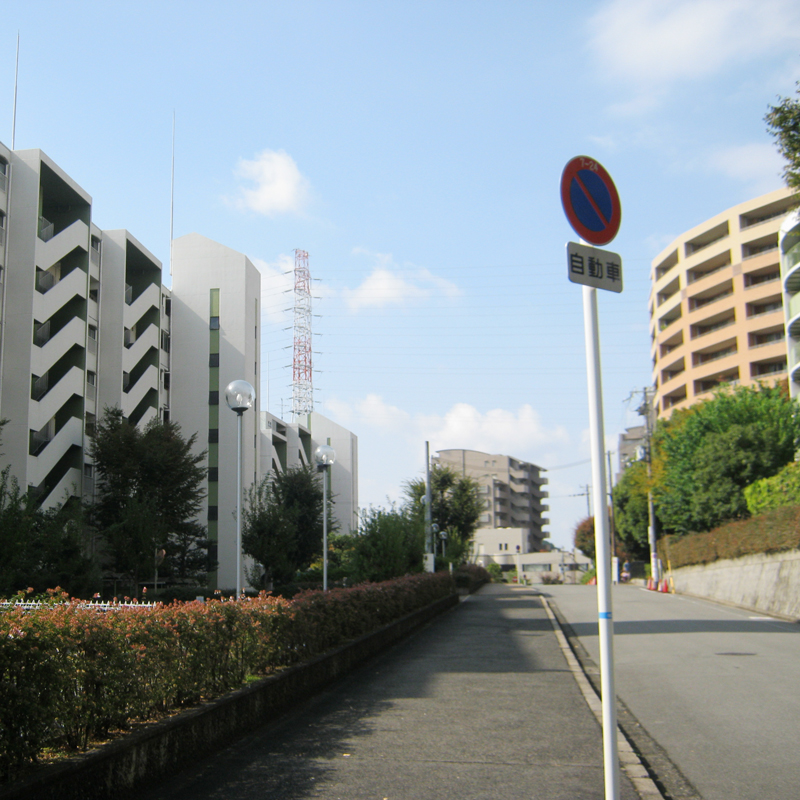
column 513, row 490
column 716, row 304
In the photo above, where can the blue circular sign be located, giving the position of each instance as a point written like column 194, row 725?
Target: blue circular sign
column 590, row 200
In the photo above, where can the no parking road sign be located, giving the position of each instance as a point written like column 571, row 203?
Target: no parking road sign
column 590, row 200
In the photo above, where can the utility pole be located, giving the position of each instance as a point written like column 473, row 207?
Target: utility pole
column 646, row 411
column 614, row 564
column 430, row 548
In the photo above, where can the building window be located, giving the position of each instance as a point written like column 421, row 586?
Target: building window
column 213, row 474
column 213, row 398
column 213, row 435
column 165, row 341
column 91, row 378
column 213, row 513
column 213, row 359
column 88, row 470
column 213, row 323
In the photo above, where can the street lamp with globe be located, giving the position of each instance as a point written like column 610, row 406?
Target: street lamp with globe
column 324, row 455
column 239, row 395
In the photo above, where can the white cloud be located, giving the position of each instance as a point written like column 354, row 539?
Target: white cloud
column 757, row 164
column 278, row 187
column 371, row 412
column 656, row 42
column 388, row 285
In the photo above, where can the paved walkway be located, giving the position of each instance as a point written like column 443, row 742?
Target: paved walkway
column 480, row 704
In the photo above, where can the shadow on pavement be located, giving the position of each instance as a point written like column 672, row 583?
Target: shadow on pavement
column 631, row 627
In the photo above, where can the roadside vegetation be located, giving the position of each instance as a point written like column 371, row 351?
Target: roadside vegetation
column 72, row 675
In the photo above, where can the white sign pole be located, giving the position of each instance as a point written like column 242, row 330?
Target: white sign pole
column 602, row 549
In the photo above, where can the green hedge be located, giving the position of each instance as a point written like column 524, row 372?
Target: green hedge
column 69, row 675
column 471, row 577
column 772, row 532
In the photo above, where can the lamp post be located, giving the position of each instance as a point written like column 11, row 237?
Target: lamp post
column 239, row 395
column 324, row 455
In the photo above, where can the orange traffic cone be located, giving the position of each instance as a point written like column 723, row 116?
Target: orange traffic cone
column 665, row 586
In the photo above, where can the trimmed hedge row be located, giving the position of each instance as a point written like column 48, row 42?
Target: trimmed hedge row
column 774, row 531
column 471, row 577
column 69, row 675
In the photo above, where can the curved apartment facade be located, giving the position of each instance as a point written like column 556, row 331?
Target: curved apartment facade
column 789, row 246
column 716, row 304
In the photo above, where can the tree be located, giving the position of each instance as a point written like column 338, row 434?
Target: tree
column 725, row 464
column 456, row 506
column 149, row 495
column 389, row 544
column 584, row 537
column 42, row 549
column 631, row 514
column 783, row 124
column 706, row 454
column 282, row 525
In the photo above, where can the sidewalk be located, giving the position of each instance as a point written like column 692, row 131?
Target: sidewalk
column 480, row 704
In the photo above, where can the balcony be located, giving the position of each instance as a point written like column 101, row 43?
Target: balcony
column 46, row 229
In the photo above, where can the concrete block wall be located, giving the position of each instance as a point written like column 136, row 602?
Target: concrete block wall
column 769, row 583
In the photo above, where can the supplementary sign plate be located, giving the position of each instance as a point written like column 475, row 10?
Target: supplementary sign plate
column 594, row 267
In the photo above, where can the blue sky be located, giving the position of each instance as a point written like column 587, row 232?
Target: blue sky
column 414, row 149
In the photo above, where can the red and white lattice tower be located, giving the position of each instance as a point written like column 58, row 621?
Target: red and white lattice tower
column 302, row 389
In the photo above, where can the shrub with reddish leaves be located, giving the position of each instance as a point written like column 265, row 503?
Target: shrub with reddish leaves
column 70, row 674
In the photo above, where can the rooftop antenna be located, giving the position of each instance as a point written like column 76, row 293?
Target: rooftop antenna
column 172, row 195
column 14, row 114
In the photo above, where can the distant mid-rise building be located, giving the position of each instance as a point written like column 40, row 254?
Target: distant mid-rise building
column 716, row 304
column 512, row 488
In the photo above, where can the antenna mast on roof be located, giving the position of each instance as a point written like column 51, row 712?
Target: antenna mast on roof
column 302, row 389
column 14, row 113
column 172, row 195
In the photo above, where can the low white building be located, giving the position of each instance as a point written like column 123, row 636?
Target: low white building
column 508, row 548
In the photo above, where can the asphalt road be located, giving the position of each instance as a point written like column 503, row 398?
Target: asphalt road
column 717, row 687
column 478, row 705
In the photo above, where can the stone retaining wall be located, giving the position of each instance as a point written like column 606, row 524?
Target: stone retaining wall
column 119, row 768
column 769, row 583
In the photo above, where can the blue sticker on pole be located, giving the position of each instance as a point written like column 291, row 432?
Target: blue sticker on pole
column 590, row 200
column 604, row 615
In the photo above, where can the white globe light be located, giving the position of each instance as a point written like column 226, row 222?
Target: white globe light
column 324, row 455
column 240, row 396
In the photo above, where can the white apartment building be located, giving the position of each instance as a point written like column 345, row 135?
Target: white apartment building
column 82, row 327
column 86, row 324
column 789, row 247
column 216, row 338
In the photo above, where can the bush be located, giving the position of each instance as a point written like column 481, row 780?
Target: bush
column 774, row 531
column 496, row 572
column 551, row 578
column 588, row 575
column 471, row 577
column 70, row 673
column 782, row 489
